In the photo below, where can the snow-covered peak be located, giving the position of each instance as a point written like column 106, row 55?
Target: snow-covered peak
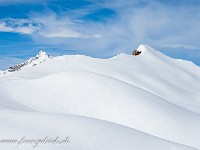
column 42, row 54
column 145, row 49
column 39, row 58
column 148, row 51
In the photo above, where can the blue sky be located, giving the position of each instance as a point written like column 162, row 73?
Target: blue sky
column 98, row 28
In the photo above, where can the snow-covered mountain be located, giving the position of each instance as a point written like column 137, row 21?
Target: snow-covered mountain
column 39, row 58
column 155, row 98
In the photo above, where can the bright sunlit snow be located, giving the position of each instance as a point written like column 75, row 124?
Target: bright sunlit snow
column 149, row 101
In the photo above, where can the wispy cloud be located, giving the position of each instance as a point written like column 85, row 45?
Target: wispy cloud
column 184, row 46
column 5, row 28
column 52, row 26
column 161, row 25
column 49, row 26
column 22, row 26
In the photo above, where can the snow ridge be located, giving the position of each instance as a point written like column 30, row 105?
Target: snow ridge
column 150, row 92
column 39, row 58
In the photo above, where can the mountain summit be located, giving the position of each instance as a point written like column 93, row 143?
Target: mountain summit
column 39, row 58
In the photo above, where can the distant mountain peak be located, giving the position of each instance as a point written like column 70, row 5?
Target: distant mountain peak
column 148, row 51
column 39, row 58
column 145, row 48
column 42, row 54
column 141, row 50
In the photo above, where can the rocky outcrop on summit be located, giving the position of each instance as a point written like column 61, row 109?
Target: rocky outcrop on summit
column 136, row 52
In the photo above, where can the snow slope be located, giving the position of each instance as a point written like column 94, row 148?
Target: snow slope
column 151, row 92
column 83, row 133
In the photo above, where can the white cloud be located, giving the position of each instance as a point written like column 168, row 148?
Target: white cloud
column 26, row 29
column 184, row 46
column 61, row 33
column 152, row 23
column 52, row 26
column 21, row 26
column 4, row 28
column 48, row 26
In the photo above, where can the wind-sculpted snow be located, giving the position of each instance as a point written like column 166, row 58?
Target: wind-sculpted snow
column 150, row 92
column 78, row 133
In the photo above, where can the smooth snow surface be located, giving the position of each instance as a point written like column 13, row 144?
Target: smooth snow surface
column 155, row 98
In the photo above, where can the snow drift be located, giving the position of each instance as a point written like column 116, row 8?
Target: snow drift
column 151, row 92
